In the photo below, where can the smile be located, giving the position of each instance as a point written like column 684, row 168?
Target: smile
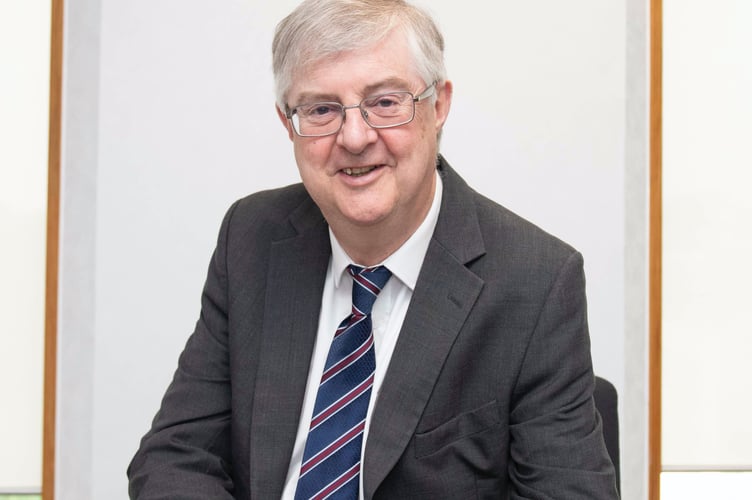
column 357, row 172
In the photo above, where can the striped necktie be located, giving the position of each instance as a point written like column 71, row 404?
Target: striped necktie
column 331, row 459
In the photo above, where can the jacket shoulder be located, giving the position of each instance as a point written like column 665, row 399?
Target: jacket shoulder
column 277, row 212
column 514, row 232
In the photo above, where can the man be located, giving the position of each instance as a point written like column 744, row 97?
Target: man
column 470, row 377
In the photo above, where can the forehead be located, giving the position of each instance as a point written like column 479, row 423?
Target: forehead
column 385, row 65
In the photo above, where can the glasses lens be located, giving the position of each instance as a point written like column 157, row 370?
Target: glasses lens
column 387, row 110
column 320, row 118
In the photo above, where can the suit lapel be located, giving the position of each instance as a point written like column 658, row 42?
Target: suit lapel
column 444, row 295
column 295, row 280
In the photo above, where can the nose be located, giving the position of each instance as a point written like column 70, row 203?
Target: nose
column 355, row 134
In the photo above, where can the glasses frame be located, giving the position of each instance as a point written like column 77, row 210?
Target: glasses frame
column 428, row 92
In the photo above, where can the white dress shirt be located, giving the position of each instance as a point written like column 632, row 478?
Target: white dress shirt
column 388, row 314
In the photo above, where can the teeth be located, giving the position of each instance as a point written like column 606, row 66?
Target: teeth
column 358, row 171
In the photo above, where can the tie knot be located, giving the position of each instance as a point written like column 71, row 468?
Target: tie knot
column 367, row 283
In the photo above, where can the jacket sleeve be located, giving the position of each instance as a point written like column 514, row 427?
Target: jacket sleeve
column 187, row 452
column 557, row 448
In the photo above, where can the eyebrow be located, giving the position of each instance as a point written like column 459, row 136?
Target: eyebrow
column 393, row 83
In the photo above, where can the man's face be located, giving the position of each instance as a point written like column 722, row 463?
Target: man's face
column 362, row 177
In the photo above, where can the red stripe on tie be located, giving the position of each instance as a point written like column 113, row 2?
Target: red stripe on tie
column 347, row 361
column 332, row 448
column 342, row 402
column 365, row 283
column 354, row 318
column 338, row 483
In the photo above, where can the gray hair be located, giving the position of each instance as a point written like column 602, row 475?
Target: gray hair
column 320, row 28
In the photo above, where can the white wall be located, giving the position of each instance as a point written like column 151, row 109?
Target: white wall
column 169, row 118
column 24, row 112
column 707, row 239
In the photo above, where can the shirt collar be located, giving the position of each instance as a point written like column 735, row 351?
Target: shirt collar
column 406, row 261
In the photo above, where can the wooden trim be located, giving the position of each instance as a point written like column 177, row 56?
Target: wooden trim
column 656, row 244
column 53, row 240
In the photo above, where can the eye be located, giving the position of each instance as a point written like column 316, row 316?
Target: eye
column 319, row 110
column 385, row 101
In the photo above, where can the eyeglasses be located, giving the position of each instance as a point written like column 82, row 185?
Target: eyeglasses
column 379, row 111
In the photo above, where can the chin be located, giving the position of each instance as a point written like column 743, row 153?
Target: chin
column 365, row 221
column 366, row 218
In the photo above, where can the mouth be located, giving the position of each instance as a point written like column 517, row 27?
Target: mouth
column 359, row 171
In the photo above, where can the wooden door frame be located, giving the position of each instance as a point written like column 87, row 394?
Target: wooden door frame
column 655, row 248
column 52, row 250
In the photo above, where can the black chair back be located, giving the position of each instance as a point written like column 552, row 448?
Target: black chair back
column 606, row 401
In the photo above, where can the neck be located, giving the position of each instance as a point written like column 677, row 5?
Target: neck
column 371, row 245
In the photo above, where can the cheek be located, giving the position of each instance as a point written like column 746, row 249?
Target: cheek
column 415, row 139
column 402, row 143
column 311, row 151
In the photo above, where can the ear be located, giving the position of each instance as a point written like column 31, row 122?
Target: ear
column 442, row 103
column 285, row 122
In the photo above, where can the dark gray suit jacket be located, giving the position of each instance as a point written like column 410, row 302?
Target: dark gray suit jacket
column 488, row 393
